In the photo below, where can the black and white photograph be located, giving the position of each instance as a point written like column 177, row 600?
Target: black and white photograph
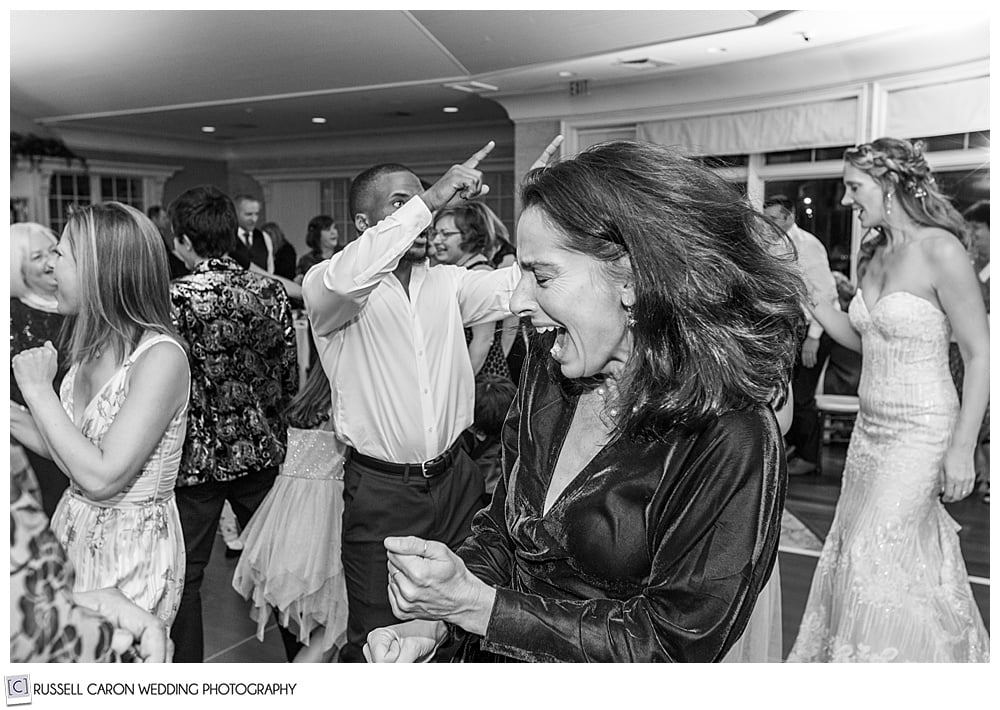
column 557, row 335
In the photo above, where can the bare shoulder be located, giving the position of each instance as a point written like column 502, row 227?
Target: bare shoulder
column 941, row 246
column 164, row 360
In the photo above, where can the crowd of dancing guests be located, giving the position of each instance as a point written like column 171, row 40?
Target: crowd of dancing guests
column 569, row 451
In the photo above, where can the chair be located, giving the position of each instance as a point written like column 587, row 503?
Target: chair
column 832, row 408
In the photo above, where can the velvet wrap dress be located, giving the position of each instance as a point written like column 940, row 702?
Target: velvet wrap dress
column 655, row 551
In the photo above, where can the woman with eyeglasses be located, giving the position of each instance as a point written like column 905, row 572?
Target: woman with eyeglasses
column 466, row 236
column 891, row 584
column 638, row 513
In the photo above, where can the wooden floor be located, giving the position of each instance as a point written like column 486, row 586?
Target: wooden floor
column 230, row 635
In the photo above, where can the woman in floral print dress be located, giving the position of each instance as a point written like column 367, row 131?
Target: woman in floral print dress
column 117, row 427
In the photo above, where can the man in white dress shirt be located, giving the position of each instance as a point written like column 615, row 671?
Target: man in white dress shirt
column 814, row 266
column 389, row 333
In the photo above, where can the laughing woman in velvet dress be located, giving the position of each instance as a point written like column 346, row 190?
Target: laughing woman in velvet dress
column 891, row 584
column 117, row 426
column 638, row 514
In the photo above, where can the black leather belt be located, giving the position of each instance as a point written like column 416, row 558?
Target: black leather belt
column 427, row 469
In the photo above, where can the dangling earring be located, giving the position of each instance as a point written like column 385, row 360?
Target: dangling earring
column 888, row 203
column 629, row 318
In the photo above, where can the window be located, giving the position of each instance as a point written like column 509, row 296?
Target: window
column 964, row 184
column 122, row 189
column 723, row 161
column 806, row 155
column 500, row 198
column 67, row 191
column 70, row 190
column 333, row 200
column 956, row 141
column 818, row 210
column 964, row 187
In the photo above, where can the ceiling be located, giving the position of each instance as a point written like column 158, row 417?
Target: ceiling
column 263, row 75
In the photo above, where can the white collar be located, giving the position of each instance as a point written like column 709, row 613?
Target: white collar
column 39, row 303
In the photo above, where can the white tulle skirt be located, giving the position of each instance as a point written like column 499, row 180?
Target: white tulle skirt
column 761, row 641
column 291, row 547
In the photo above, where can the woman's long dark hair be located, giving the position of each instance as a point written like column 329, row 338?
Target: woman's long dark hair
column 717, row 310
column 900, row 168
column 311, row 405
column 313, row 238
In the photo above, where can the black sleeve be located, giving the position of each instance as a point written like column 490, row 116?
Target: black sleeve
column 713, row 545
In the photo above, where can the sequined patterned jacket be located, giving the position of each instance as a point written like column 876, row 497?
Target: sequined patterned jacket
column 238, row 326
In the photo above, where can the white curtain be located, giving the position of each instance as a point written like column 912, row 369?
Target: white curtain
column 939, row 109
column 810, row 125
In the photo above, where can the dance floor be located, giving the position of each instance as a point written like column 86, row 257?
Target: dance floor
column 230, row 634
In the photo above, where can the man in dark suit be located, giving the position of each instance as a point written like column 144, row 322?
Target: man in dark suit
column 159, row 217
column 252, row 245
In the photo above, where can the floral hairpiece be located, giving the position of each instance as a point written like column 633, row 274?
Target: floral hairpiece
column 914, row 170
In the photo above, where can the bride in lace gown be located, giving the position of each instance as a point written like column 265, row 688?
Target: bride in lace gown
column 891, row 583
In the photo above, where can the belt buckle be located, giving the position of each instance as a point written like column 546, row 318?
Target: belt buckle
column 423, row 470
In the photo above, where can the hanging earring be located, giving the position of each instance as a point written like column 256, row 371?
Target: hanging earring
column 629, row 318
column 888, row 203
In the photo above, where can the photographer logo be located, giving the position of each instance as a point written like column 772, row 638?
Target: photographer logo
column 18, row 689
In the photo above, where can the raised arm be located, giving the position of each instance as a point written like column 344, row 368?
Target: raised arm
column 336, row 290
column 484, row 296
column 158, row 388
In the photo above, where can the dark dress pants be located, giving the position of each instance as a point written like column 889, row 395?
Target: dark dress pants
column 379, row 505
column 200, row 507
column 804, row 433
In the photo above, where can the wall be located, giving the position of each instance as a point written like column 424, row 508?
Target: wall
column 530, row 138
column 194, row 173
column 759, row 81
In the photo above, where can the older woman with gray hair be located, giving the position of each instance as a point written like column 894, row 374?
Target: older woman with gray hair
column 33, row 320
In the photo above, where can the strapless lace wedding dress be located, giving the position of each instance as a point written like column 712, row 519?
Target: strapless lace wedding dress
column 891, row 583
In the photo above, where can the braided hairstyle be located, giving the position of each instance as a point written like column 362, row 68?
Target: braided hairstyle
column 901, row 170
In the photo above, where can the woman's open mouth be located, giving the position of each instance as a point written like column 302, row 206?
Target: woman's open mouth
column 560, row 339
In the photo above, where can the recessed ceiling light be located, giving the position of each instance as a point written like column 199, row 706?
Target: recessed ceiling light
column 318, row 119
column 565, row 74
column 208, row 129
column 716, row 50
column 450, row 109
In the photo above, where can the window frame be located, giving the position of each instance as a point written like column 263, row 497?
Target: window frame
column 34, row 182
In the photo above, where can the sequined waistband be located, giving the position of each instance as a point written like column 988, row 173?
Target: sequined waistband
column 316, row 473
